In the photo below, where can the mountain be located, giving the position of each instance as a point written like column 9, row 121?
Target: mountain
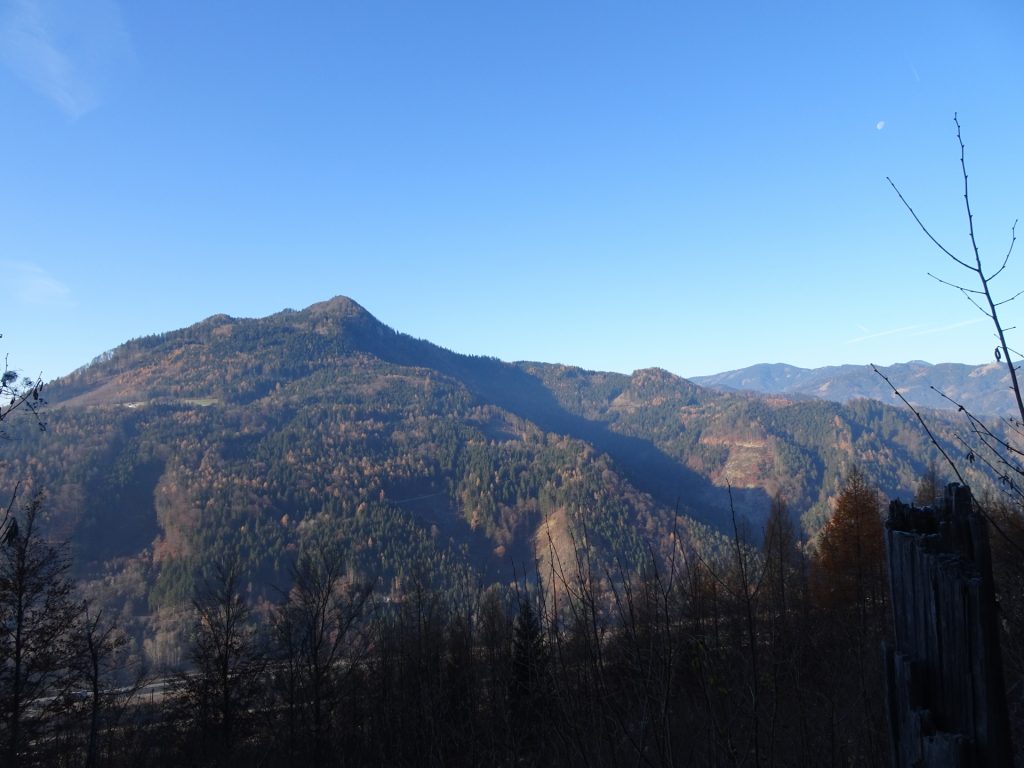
column 251, row 438
column 982, row 389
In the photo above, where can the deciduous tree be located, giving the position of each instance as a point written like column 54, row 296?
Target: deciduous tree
column 227, row 663
column 316, row 634
column 38, row 616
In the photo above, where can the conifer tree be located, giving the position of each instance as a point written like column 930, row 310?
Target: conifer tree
column 851, row 549
column 529, row 684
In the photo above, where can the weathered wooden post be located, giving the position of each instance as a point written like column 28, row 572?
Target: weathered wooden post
column 945, row 689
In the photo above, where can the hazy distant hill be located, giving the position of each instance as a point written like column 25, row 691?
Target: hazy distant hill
column 250, row 437
column 984, row 389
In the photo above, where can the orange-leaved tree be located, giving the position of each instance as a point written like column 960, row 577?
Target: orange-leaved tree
column 850, row 566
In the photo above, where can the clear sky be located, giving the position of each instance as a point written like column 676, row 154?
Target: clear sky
column 614, row 184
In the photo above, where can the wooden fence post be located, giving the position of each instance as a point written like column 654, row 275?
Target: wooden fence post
column 945, row 690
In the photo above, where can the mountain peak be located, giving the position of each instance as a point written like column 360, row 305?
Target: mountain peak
column 339, row 306
column 215, row 320
column 654, row 374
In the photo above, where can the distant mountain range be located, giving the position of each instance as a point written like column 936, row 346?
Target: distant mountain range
column 250, row 438
column 983, row 389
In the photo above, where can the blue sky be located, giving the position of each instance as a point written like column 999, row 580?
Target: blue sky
column 611, row 184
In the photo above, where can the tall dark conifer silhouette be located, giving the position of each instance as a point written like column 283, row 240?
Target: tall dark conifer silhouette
column 529, row 694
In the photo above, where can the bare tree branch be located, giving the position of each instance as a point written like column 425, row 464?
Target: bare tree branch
column 1003, row 350
column 981, row 275
column 925, row 229
column 924, row 424
column 1007, row 301
column 954, row 285
column 1006, row 258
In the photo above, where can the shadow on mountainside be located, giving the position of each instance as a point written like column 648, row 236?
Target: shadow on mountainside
column 300, row 341
column 519, row 392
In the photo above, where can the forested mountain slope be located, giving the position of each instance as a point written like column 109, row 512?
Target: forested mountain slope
column 250, row 437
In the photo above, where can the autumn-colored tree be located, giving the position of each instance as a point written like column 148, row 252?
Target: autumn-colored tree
column 849, row 583
column 850, row 567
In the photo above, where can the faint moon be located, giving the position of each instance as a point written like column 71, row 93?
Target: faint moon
column 880, row 125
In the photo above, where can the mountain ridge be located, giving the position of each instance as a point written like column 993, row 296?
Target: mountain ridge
column 982, row 389
column 250, row 437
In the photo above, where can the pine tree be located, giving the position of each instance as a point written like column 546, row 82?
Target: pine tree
column 529, row 694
